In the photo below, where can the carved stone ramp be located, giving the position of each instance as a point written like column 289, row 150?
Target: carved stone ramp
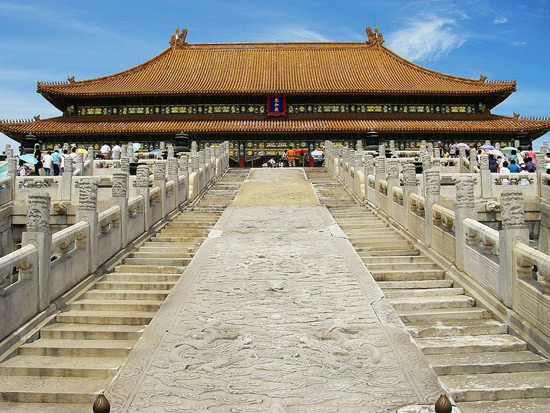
column 485, row 368
column 77, row 355
column 275, row 313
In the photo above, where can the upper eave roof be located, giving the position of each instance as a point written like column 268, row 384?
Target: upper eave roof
column 83, row 126
column 276, row 68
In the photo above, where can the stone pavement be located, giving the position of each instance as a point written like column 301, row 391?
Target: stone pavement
column 277, row 313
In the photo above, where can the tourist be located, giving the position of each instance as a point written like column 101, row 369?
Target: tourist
column 38, row 156
column 504, row 170
column 291, row 157
column 271, row 163
column 63, row 157
column 73, row 154
column 56, row 161
column 47, row 160
column 529, row 165
column 531, row 154
column 452, row 151
column 513, row 167
column 105, row 151
column 493, row 166
column 115, row 148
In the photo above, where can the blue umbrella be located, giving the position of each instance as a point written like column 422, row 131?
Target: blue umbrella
column 3, row 171
column 487, row 146
column 30, row 159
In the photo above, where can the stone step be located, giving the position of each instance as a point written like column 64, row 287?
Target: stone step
column 434, row 315
column 46, row 366
column 50, row 389
column 134, row 285
column 488, row 363
column 498, row 386
column 91, row 331
column 471, row 344
column 388, row 253
column 188, row 241
column 77, row 348
column 391, row 266
column 145, row 277
column 88, row 304
column 183, row 232
column 7, row 407
column 457, row 328
column 507, row 406
column 168, row 247
column 160, row 254
column 159, row 295
column 376, row 245
column 155, row 246
column 150, row 269
column 136, row 318
column 419, row 303
column 421, row 285
column 413, row 259
column 422, row 292
column 180, row 262
column 403, row 275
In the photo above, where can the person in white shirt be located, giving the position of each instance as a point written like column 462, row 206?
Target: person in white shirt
column 105, row 150
column 47, row 161
column 74, row 154
column 116, row 148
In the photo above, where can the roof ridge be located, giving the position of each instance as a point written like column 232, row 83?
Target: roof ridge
column 482, row 79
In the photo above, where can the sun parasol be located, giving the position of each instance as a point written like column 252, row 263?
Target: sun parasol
column 487, row 146
column 495, row 152
column 463, row 145
column 30, row 159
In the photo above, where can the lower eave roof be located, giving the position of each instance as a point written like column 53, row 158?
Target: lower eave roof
column 78, row 126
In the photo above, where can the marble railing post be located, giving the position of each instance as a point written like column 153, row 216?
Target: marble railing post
column 123, row 151
column 87, row 211
column 193, row 148
column 120, row 198
column 194, row 178
column 38, row 234
column 208, row 164
column 486, row 179
column 380, row 173
column 473, row 160
column 426, row 166
column 202, row 171
column 8, row 151
column 12, row 173
column 369, row 166
column 130, row 151
column 410, row 186
column 430, row 149
column 170, row 152
column 67, row 179
column 432, row 196
column 461, row 158
column 125, row 165
column 465, row 208
column 172, row 170
column 392, row 166
column 159, row 180
column 392, row 147
column 544, row 231
column 141, row 186
column 513, row 231
column 80, row 163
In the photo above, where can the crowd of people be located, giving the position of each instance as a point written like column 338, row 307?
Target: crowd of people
column 52, row 161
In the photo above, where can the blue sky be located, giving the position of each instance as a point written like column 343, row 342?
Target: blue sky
column 50, row 40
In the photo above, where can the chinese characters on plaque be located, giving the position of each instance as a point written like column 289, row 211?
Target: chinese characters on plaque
column 276, row 106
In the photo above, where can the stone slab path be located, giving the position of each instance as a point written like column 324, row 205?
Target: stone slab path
column 275, row 313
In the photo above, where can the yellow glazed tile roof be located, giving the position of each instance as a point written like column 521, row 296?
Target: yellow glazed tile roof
column 276, row 68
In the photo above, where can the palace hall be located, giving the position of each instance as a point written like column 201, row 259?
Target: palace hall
column 263, row 97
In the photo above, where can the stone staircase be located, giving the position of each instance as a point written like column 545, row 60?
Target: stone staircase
column 484, row 367
column 76, row 356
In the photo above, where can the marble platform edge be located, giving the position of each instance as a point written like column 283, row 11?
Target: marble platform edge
column 122, row 389
column 415, row 365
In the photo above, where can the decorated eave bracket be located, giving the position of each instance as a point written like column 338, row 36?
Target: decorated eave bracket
column 178, row 38
column 374, row 38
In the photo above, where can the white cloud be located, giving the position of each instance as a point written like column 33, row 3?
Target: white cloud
column 500, row 20
column 426, row 39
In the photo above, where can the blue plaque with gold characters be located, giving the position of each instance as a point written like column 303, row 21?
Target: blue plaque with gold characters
column 276, row 106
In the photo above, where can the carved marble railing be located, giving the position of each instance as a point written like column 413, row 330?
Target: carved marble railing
column 48, row 266
column 443, row 231
column 19, row 288
column 6, row 190
column 545, row 186
column 70, row 253
column 398, row 209
column 415, row 216
column 525, row 181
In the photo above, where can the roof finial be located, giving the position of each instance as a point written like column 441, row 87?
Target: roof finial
column 516, row 115
column 70, row 79
column 482, row 78
column 374, row 38
column 178, row 38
